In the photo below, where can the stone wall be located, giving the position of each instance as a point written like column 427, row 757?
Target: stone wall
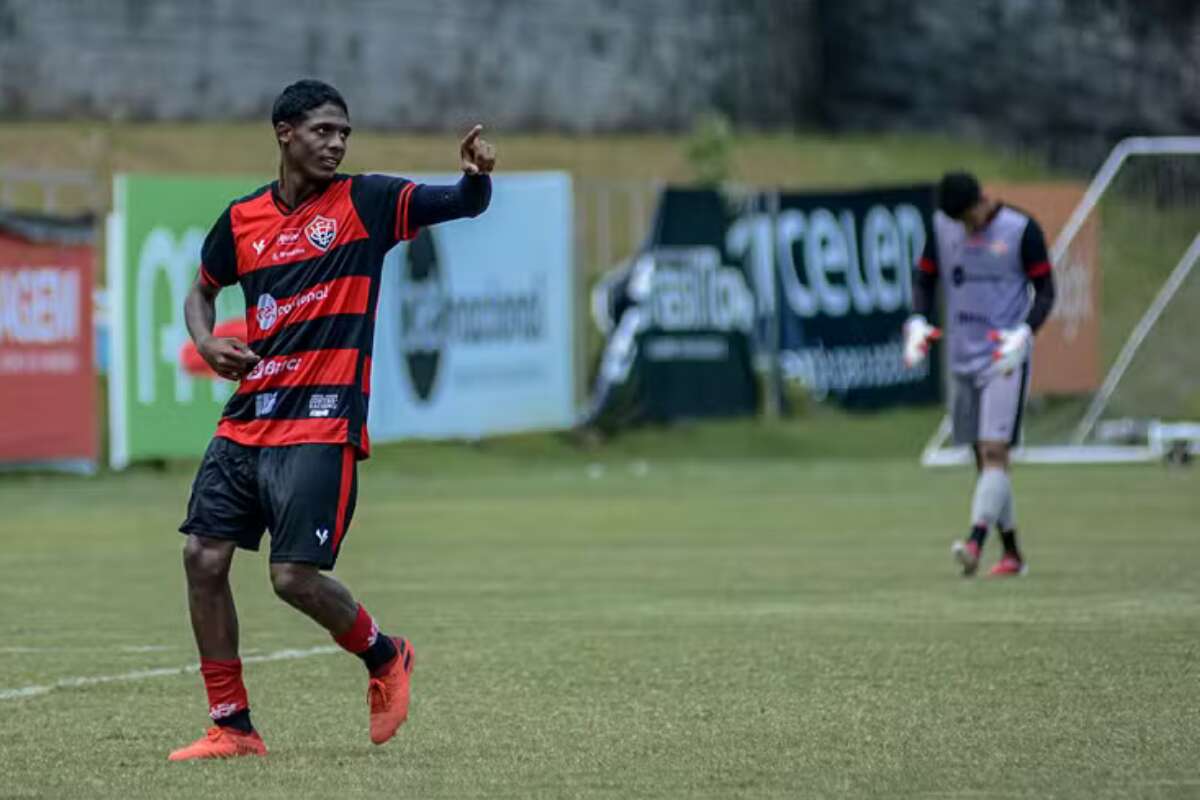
column 1068, row 76
column 577, row 65
column 1065, row 76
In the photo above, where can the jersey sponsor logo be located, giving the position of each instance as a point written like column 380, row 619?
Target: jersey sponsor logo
column 960, row 276
column 322, row 405
column 321, row 232
column 970, row 318
column 268, row 312
column 274, row 366
column 264, row 403
column 288, row 245
column 280, row 255
column 259, row 246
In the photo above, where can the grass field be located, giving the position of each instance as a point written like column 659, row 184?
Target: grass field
column 695, row 614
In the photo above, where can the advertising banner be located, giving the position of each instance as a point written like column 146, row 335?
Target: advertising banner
column 680, row 322
column 475, row 331
column 47, row 378
column 156, row 408
column 828, row 276
column 844, row 289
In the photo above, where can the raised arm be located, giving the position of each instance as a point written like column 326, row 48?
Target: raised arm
column 467, row 198
column 432, row 204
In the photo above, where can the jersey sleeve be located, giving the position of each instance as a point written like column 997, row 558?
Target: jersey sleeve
column 218, row 256
column 1034, row 257
column 469, row 197
column 382, row 203
column 928, row 260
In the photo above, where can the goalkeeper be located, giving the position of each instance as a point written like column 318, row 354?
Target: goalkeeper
column 988, row 256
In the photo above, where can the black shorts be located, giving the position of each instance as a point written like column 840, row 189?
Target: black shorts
column 304, row 494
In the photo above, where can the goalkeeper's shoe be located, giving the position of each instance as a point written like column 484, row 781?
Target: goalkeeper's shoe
column 1009, row 567
column 220, row 742
column 966, row 553
column 387, row 694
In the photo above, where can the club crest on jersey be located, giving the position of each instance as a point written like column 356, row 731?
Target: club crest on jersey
column 321, row 232
column 267, row 313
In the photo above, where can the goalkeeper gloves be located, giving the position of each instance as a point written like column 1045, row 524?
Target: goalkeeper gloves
column 918, row 334
column 1012, row 346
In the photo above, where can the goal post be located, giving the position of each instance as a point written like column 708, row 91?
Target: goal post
column 1146, row 195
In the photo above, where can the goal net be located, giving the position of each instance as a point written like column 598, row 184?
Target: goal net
column 1117, row 368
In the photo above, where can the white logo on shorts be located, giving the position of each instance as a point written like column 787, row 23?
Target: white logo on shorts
column 322, row 535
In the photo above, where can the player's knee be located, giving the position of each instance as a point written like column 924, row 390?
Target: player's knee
column 203, row 562
column 993, row 454
column 293, row 583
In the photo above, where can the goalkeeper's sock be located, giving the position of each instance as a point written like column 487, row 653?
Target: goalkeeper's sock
column 1009, row 539
column 992, row 493
column 978, row 535
column 365, row 641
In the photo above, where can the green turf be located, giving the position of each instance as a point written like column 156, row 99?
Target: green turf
column 621, row 624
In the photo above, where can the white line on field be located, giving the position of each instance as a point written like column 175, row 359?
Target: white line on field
column 125, row 648
column 160, row 672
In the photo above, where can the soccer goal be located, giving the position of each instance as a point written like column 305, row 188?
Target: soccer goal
column 1127, row 319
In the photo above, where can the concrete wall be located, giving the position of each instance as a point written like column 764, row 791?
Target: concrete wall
column 1068, row 76
column 583, row 65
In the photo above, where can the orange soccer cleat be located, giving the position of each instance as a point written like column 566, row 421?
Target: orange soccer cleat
column 388, row 694
column 220, row 742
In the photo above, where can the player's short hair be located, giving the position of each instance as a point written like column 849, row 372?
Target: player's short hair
column 301, row 97
column 957, row 192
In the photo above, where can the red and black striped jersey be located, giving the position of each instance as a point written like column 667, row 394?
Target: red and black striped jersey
column 310, row 276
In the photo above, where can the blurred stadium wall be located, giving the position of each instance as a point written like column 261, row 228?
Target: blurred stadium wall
column 1065, row 76
column 577, row 65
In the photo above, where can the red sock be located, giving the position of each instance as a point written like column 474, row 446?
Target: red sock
column 362, row 633
column 364, row 640
column 226, row 692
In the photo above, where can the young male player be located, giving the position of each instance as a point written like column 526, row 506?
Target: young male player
column 307, row 250
column 988, row 255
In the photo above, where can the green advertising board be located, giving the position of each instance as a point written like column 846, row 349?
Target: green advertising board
column 158, row 224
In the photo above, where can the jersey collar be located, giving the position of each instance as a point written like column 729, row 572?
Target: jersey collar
column 283, row 208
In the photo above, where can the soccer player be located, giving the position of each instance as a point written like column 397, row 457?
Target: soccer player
column 989, row 255
column 307, row 250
